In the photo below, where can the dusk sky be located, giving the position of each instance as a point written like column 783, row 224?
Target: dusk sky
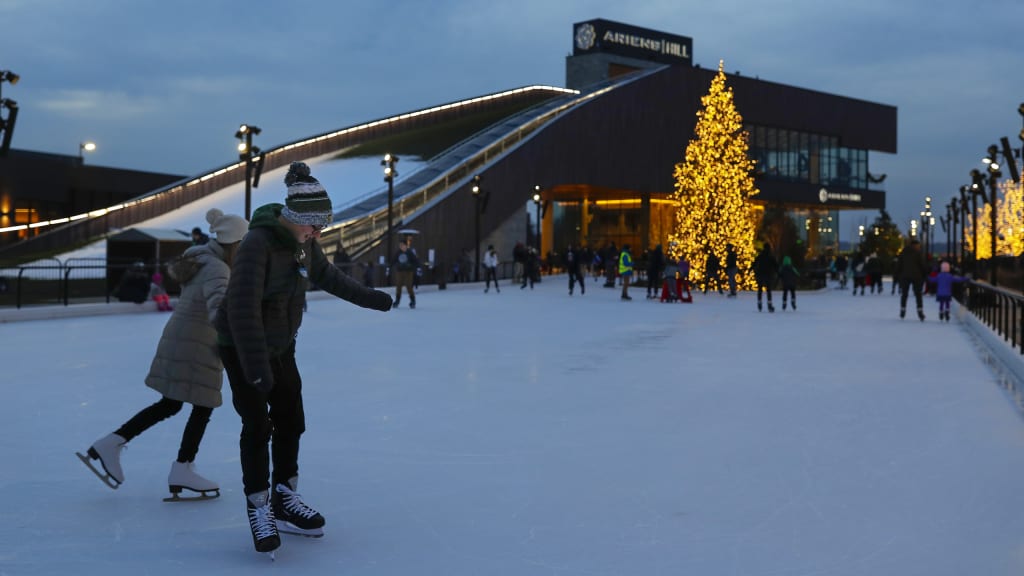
column 163, row 86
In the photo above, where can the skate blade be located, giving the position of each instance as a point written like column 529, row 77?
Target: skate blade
column 103, row 476
column 285, row 527
column 196, row 495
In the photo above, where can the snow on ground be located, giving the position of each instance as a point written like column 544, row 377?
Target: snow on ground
column 534, row 433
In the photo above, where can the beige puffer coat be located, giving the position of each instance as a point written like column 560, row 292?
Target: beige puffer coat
column 187, row 366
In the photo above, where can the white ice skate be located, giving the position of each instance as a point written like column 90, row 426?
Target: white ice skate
column 108, row 451
column 183, row 476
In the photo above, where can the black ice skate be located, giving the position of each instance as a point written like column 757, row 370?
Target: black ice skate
column 292, row 514
column 108, row 451
column 903, row 313
column 920, row 314
column 262, row 523
column 183, row 476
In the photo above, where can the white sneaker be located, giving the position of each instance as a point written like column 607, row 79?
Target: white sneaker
column 184, row 475
column 108, row 451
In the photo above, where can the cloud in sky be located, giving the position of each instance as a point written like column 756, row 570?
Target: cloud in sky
column 162, row 86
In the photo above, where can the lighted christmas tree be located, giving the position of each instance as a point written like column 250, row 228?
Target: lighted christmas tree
column 713, row 188
column 1009, row 223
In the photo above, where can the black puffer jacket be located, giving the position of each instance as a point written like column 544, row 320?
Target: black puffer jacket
column 262, row 310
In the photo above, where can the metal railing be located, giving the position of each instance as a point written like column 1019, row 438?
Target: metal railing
column 998, row 308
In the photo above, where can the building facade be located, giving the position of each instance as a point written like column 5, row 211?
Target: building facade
column 811, row 147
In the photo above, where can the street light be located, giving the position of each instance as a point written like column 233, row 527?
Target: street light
column 480, row 204
column 390, row 174
column 7, row 124
column 246, row 153
column 85, row 147
column 993, row 181
column 536, row 202
column 964, row 211
column 977, row 189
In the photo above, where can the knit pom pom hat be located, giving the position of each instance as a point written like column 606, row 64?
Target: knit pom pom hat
column 227, row 228
column 307, row 203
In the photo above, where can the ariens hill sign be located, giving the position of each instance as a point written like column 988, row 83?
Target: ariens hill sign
column 616, row 38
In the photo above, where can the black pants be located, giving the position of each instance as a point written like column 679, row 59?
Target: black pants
column 905, row 287
column 767, row 287
column 577, row 276
column 276, row 419
column 162, row 410
column 491, row 274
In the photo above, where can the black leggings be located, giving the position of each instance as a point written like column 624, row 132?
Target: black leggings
column 276, row 419
column 162, row 410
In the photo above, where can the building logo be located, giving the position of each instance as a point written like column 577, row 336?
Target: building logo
column 625, row 40
column 585, row 36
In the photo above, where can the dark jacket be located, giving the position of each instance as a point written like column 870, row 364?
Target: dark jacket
column 405, row 261
column 765, row 267
column 788, row 274
column 910, row 264
column 262, row 309
column 655, row 262
column 134, row 286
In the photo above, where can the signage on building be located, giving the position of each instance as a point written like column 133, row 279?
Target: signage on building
column 825, row 196
column 612, row 37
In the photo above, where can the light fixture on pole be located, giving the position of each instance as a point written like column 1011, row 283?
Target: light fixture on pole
column 977, row 189
column 247, row 152
column 85, row 147
column 536, row 202
column 993, row 180
column 964, row 211
column 390, row 174
column 7, row 123
column 480, row 205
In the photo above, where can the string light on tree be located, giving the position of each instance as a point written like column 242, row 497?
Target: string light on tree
column 713, row 187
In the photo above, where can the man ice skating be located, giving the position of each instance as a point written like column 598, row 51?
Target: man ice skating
column 257, row 326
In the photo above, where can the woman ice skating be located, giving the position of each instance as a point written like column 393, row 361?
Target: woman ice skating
column 186, row 367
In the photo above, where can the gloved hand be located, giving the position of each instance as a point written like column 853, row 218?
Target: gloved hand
column 378, row 300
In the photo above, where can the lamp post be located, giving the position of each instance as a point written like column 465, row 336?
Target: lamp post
column 84, row 147
column 993, row 182
column 964, row 210
column 7, row 124
column 536, row 203
column 977, row 189
column 479, row 204
column 390, row 174
column 247, row 152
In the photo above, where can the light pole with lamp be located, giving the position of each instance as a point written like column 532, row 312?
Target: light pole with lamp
column 85, row 147
column 390, row 174
column 964, row 211
column 246, row 153
column 479, row 205
column 7, row 124
column 536, row 203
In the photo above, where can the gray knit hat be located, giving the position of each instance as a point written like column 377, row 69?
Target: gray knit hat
column 307, row 203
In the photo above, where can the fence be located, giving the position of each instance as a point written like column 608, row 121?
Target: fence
column 998, row 308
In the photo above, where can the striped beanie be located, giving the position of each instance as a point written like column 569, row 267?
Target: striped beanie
column 307, row 203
